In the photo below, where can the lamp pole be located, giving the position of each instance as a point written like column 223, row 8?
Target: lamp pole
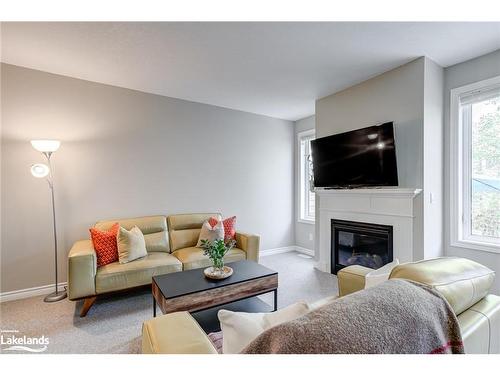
column 56, row 296
column 47, row 148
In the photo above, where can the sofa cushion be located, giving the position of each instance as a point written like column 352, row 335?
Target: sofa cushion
column 192, row 257
column 154, row 229
column 131, row 245
column 116, row 276
column 461, row 281
column 184, row 229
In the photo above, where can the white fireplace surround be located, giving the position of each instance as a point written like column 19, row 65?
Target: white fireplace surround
column 399, row 207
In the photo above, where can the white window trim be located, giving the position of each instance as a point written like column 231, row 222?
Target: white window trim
column 300, row 135
column 457, row 164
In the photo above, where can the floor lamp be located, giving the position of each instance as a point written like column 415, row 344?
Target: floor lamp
column 47, row 148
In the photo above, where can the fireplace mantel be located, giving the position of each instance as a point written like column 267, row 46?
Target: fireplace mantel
column 390, row 192
column 399, row 207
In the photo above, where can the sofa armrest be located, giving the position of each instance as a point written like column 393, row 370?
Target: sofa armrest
column 175, row 333
column 82, row 268
column 250, row 244
column 352, row 279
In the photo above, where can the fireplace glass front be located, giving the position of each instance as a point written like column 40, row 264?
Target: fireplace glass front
column 364, row 244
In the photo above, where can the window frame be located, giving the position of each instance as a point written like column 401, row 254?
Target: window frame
column 302, row 184
column 460, row 171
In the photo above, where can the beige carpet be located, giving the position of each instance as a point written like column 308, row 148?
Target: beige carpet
column 113, row 325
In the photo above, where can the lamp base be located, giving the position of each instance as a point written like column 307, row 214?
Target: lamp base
column 56, row 296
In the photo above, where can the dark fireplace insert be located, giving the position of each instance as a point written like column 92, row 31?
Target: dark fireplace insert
column 365, row 244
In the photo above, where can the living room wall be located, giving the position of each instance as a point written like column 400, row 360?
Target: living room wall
column 126, row 153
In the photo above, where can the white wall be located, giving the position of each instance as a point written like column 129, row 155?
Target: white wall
column 126, row 153
column 474, row 70
column 304, row 232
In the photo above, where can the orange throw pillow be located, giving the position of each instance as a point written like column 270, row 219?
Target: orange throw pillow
column 229, row 226
column 105, row 245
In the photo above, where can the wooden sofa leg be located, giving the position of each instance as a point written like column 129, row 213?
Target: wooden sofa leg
column 87, row 304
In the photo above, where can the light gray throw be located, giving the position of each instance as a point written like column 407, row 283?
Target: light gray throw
column 397, row 316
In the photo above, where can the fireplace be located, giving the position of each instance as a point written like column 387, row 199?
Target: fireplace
column 365, row 244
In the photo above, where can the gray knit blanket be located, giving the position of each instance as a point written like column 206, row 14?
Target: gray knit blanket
column 397, row 316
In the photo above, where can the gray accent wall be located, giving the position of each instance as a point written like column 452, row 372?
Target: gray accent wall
column 462, row 74
column 396, row 96
column 126, row 153
column 411, row 97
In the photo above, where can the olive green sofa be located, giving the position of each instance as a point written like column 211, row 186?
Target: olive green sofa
column 171, row 245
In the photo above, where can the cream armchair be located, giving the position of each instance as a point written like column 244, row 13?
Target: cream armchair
column 464, row 283
column 86, row 281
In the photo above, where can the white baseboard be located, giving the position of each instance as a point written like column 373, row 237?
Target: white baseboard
column 29, row 292
column 286, row 249
column 276, row 250
column 305, row 251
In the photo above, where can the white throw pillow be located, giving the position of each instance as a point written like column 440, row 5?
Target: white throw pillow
column 379, row 275
column 131, row 244
column 211, row 234
column 239, row 328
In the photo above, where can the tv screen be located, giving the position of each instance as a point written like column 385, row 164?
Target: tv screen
column 363, row 157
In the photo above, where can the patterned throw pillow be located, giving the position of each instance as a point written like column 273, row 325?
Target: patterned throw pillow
column 213, row 221
column 211, row 233
column 105, row 245
column 229, row 226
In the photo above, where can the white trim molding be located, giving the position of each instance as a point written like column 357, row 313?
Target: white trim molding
column 286, row 249
column 459, row 167
column 300, row 177
column 276, row 250
column 30, row 292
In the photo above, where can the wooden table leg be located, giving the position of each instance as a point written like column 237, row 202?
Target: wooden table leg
column 87, row 304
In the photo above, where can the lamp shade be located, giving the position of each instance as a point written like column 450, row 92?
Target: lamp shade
column 45, row 145
column 40, row 170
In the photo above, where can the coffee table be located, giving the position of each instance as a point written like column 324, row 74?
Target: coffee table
column 192, row 291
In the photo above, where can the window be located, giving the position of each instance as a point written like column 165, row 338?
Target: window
column 475, row 172
column 306, row 195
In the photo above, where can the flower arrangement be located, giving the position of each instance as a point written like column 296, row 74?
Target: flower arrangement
column 216, row 250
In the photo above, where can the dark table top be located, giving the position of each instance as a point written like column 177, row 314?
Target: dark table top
column 188, row 282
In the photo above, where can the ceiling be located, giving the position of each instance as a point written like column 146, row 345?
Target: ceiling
column 274, row 69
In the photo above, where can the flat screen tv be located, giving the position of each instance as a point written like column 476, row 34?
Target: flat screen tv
column 360, row 158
